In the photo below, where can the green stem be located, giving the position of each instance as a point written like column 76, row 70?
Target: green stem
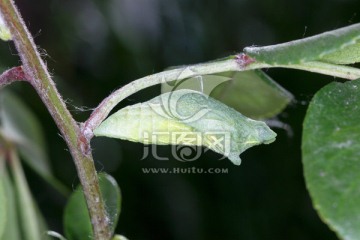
column 37, row 74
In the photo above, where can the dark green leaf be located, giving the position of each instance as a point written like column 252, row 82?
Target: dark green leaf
column 77, row 223
column 187, row 112
column 338, row 46
column 19, row 125
column 252, row 93
column 76, row 217
column 331, row 156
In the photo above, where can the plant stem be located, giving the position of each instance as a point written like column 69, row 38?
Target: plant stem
column 12, row 75
column 240, row 62
column 38, row 75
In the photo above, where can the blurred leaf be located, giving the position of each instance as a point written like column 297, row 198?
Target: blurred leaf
column 29, row 217
column 3, row 199
column 4, row 31
column 76, row 217
column 187, row 112
column 19, row 125
column 12, row 223
column 331, row 156
column 252, row 93
column 340, row 46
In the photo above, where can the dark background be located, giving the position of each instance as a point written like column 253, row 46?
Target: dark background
column 94, row 47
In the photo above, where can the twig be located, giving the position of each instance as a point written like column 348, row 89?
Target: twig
column 12, row 75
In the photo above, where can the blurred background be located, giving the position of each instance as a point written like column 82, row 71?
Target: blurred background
column 93, row 47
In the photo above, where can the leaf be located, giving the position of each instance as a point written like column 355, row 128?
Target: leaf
column 340, row 46
column 348, row 55
column 331, row 156
column 252, row 93
column 30, row 220
column 77, row 223
column 12, row 223
column 4, row 31
column 76, row 217
column 3, row 199
column 182, row 113
column 19, row 125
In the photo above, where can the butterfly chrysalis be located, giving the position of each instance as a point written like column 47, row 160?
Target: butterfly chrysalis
column 187, row 112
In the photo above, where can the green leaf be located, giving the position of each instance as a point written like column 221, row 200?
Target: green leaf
column 3, row 199
column 4, row 31
column 184, row 113
column 76, row 217
column 347, row 55
column 77, row 223
column 19, row 125
column 12, row 223
column 29, row 215
column 340, row 46
column 252, row 93
column 3, row 210
column 331, row 156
